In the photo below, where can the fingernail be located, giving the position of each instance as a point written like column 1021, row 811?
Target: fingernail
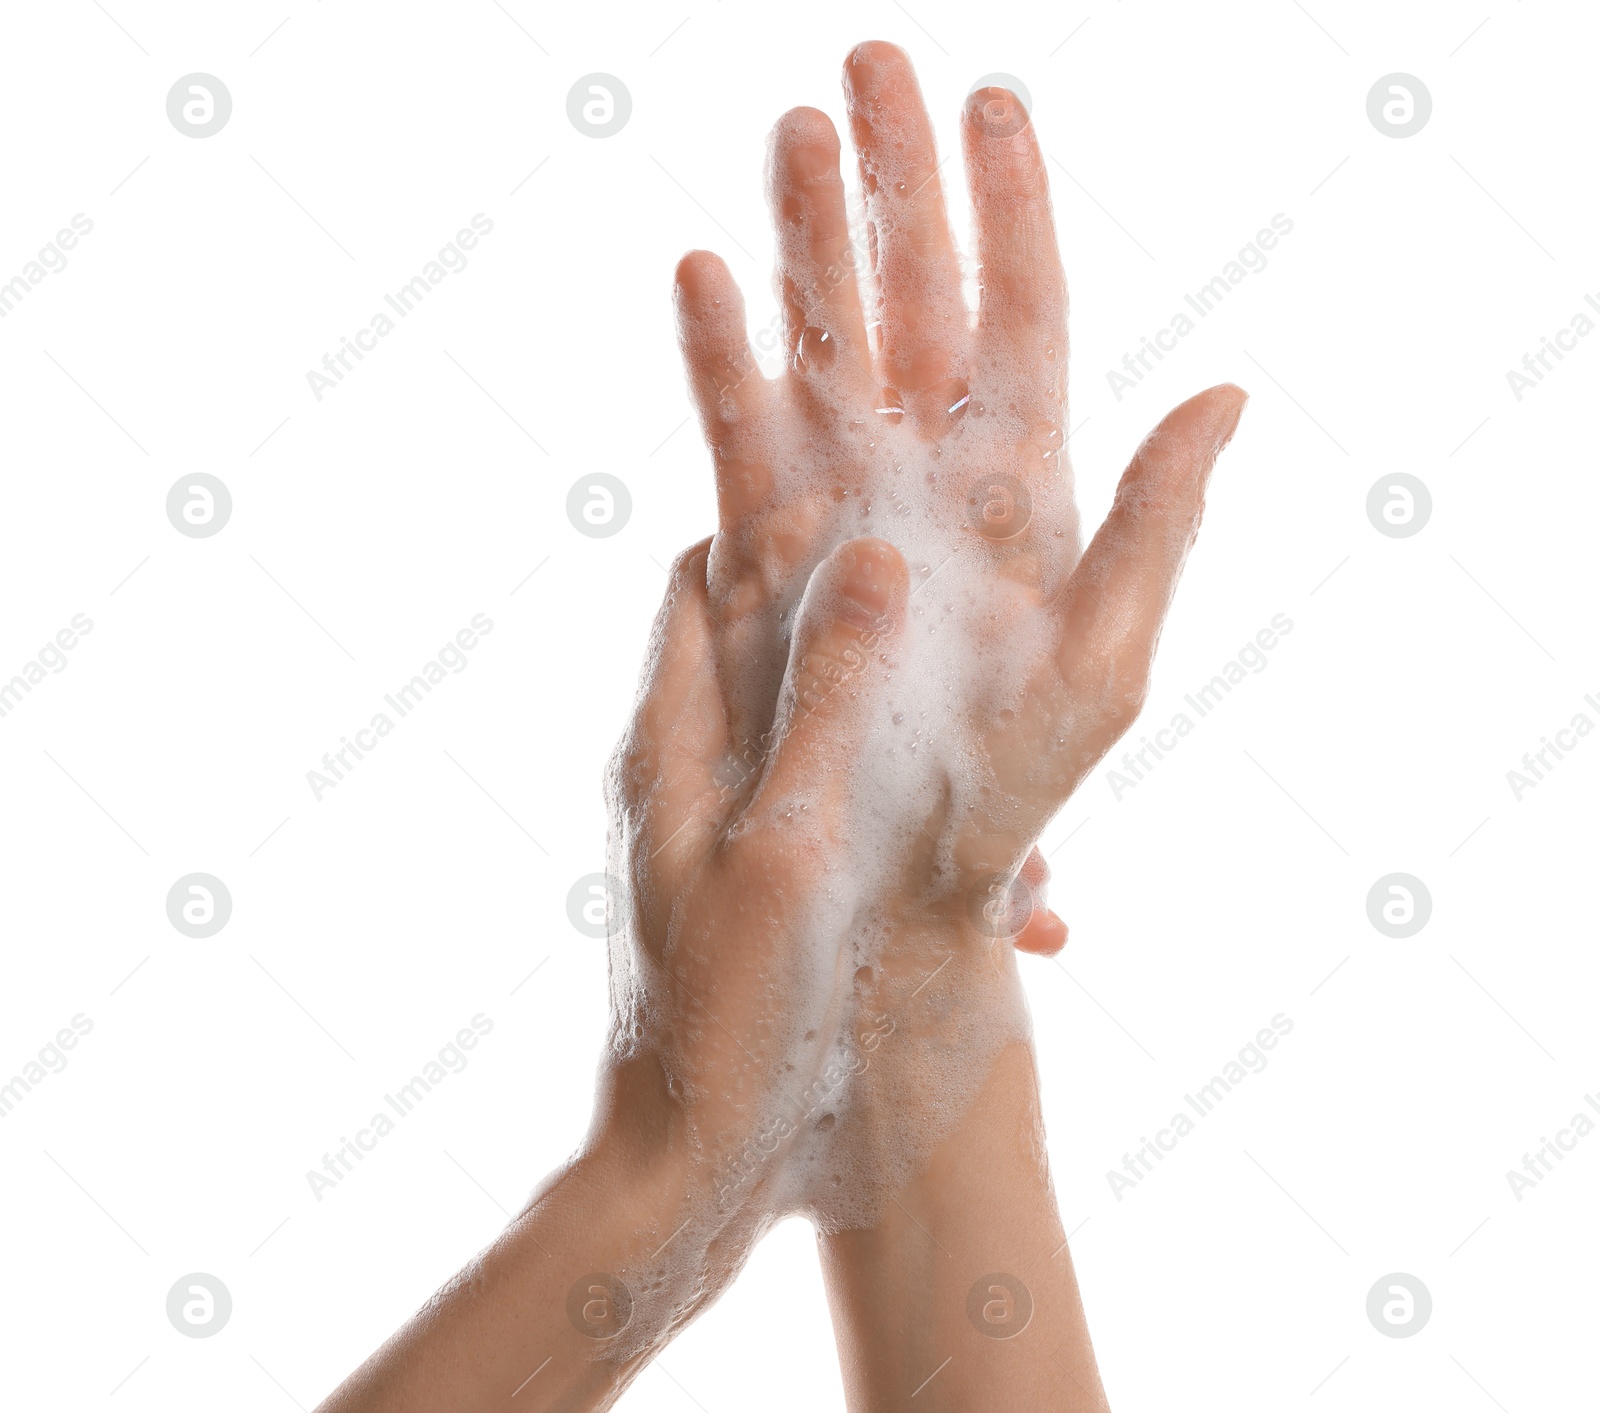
column 861, row 69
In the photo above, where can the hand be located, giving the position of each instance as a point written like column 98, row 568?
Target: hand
column 730, row 975
column 730, row 981
column 945, row 436
column 1023, row 660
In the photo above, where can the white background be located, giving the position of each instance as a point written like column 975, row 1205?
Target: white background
column 1227, row 887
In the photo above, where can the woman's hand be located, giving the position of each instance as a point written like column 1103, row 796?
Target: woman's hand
column 900, row 416
column 731, row 981
column 735, row 990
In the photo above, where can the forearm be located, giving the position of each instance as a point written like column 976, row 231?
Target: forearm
column 501, row 1323
column 915, row 1311
column 555, row 1312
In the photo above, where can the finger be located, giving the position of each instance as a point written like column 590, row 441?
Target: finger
column 825, row 336
column 1021, row 338
column 734, row 400
column 922, row 320
column 1118, row 595
column 661, row 776
column 1044, row 935
column 853, row 606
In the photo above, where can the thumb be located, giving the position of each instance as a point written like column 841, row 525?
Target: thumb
column 853, row 608
column 1119, row 593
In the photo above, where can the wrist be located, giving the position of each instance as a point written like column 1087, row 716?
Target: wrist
column 656, row 1213
column 966, row 1274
